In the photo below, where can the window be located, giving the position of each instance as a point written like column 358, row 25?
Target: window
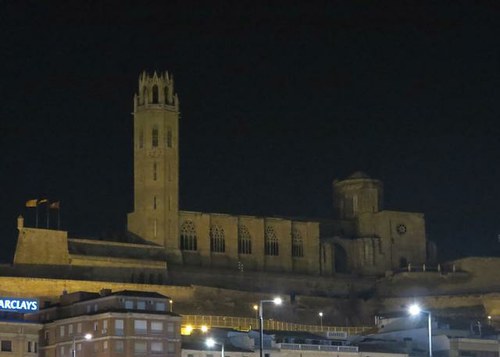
column 244, row 240
column 171, row 347
column 95, row 307
column 188, row 236
column 129, row 304
column 169, row 137
column 140, row 347
column 156, row 347
column 70, row 329
column 79, row 327
column 217, row 243
column 105, row 324
column 61, row 350
column 105, row 345
column 140, row 326
column 156, row 326
column 87, row 308
column 61, row 331
column 297, row 244
column 30, row 346
column 160, row 306
column 271, row 245
column 96, row 325
column 119, row 327
column 155, row 94
column 170, row 327
column 154, row 137
column 119, row 346
column 35, row 346
column 155, row 171
column 144, row 95
column 141, row 305
column 154, row 204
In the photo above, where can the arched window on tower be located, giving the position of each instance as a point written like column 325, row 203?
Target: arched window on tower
column 217, row 242
column 155, row 94
column 169, row 137
column 154, row 137
column 155, row 171
column 144, row 95
column 297, row 244
column 188, row 236
column 244, row 240
column 271, row 244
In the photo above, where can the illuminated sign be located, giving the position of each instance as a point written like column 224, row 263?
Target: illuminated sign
column 18, row 305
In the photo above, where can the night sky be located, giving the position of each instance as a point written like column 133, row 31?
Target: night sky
column 276, row 102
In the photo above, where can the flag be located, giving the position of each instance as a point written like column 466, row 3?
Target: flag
column 31, row 203
column 43, row 200
column 55, row 205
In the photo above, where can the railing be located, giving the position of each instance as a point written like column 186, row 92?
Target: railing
column 248, row 323
column 307, row 347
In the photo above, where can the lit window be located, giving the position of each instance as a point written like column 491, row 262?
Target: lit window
column 244, row 240
column 217, row 242
column 188, row 236
column 79, row 327
column 140, row 326
column 62, row 350
column 70, row 329
column 119, row 327
column 61, row 331
column 156, row 347
column 156, row 326
column 271, row 242
column 105, row 345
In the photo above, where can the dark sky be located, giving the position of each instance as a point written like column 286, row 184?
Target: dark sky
column 276, row 100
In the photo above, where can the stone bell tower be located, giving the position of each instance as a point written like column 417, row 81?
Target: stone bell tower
column 156, row 163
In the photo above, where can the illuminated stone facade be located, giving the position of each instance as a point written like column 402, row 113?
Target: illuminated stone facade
column 361, row 238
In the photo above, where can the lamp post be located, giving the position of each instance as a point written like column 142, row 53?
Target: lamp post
column 276, row 301
column 321, row 320
column 256, row 309
column 171, row 303
column 416, row 310
column 211, row 342
column 86, row 337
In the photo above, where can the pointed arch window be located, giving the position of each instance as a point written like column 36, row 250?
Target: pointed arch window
column 155, row 94
column 155, row 202
column 244, row 240
column 188, row 236
column 154, row 137
column 217, row 242
column 271, row 244
column 155, row 171
column 169, row 137
column 144, row 95
column 297, row 244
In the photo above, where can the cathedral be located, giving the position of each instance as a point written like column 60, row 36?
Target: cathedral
column 361, row 238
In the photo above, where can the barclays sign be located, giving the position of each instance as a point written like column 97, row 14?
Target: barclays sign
column 18, row 305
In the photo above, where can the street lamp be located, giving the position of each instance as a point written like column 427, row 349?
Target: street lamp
column 276, row 301
column 211, row 343
column 416, row 310
column 256, row 308
column 86, row 337
column 171, row 303
column 321, row 320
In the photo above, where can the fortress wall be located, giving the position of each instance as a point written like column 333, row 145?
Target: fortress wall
column 41, row 246
column 85, row 260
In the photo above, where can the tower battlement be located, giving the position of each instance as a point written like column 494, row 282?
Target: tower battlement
column 156, row 90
